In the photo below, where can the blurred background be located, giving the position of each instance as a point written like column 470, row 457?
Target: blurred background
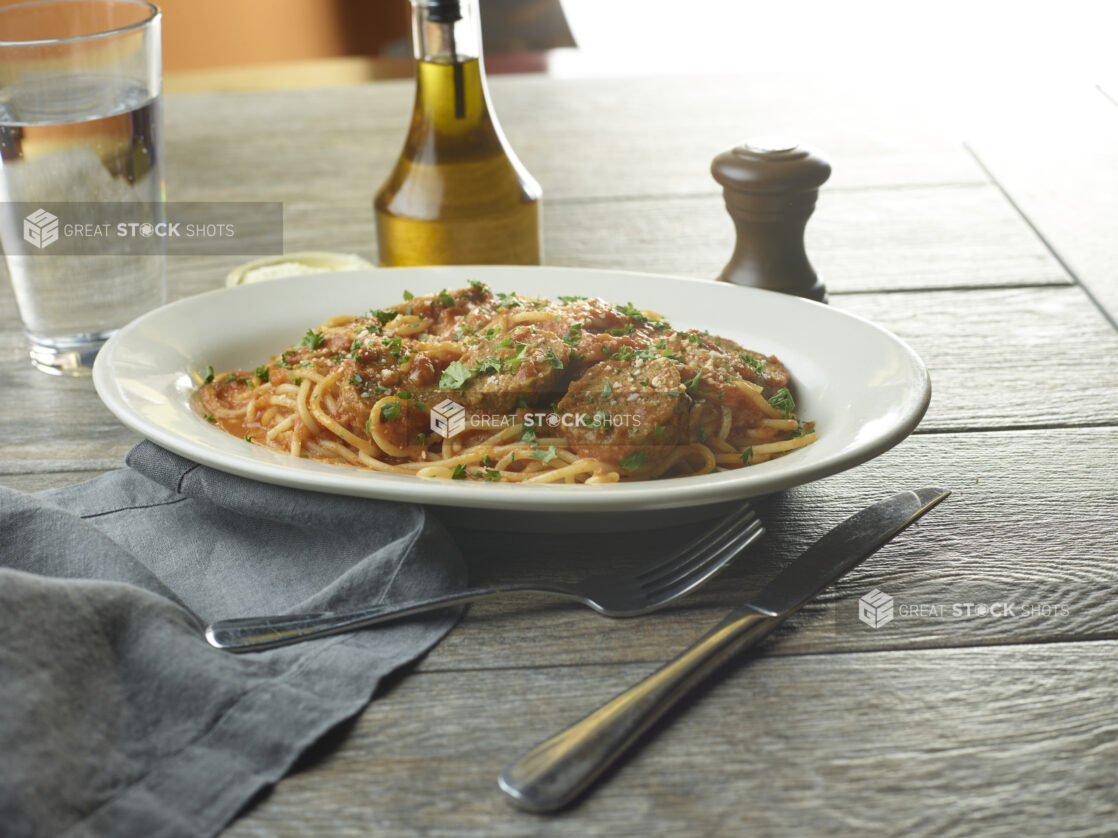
column 245, row 44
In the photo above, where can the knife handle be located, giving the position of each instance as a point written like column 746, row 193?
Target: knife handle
column 558, row 770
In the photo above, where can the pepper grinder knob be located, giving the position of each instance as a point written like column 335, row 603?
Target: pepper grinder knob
column 770, row 186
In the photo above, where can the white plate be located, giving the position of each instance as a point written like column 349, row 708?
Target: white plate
column 864, row 388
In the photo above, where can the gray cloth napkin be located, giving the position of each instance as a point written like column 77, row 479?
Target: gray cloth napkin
column 116, row 717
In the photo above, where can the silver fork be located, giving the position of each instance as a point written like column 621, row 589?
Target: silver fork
column 614, row 595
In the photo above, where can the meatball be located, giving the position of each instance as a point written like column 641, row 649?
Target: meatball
column 524, row 363
column 630, row 414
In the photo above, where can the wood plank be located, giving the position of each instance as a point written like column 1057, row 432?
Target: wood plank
column 1025, row 525
column 986, row 350
column 1006, row 357
column 860, row 240
column 996, row 742
column 630, row 137
column 863, row 240
column 1071, row 195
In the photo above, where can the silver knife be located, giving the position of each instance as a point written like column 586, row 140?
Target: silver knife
column 557, row 771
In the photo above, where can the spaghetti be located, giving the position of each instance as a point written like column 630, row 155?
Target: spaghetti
column 474, row 385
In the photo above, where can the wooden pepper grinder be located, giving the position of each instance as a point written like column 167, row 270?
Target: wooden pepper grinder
column 770, row 187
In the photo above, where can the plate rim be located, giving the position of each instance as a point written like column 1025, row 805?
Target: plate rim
column 559, row 499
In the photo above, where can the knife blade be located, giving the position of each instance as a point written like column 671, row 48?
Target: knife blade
column 557, row 771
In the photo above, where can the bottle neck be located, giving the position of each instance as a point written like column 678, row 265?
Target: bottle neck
column 451, row 94
column 445, row 31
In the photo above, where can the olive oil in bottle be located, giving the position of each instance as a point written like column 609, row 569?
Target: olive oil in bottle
column 457, row 195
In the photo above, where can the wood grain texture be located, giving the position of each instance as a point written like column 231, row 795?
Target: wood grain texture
column 1023, row 526
column 858, row 240
column 1071, row 198
column 908, row 743
column 580, row 138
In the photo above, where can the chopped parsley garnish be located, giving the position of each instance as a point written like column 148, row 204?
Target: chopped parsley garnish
column 390, row 411
column 747, row 455
column 528, row 433
column 607, row 390
column 513, row 361
column 421, row 439
column 549, row 354
column 692, row 337
column 262, row 373
column 632, row 462
column 384, row 316
column 454, row 376
column 209, row 374
column 209, row 417
column 490, row 366
column 694, row 382
column 408, row 295
column 569, row 300
column 755, row 364
column 403, row 394
column 490, row 474
column 478, row 284
column 357, row 379
column 312, row 339
column 395, row 345
column 248, row 437
column 545, row 456
column 631, row 311
column 702, row 434
column 446, row 299
column 782, row 400
column 459, row 472
column 507, row 300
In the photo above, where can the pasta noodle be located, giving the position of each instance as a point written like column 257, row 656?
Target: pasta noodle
column 510, row 388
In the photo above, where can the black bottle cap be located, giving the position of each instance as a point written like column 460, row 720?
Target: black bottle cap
column 443, row 11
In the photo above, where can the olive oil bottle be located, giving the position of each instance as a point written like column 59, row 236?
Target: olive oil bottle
column 457, row 195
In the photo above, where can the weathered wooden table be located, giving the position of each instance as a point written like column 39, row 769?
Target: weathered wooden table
column 984, row 237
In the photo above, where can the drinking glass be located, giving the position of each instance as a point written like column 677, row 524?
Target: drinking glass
column 80, row 128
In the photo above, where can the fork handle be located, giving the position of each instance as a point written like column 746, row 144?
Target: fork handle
column 252, row 634
column 558, row 770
